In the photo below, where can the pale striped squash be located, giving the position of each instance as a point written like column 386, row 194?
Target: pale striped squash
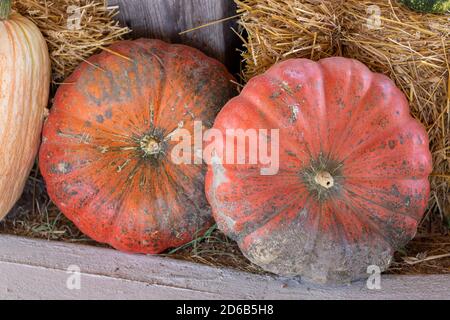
column 24, row 89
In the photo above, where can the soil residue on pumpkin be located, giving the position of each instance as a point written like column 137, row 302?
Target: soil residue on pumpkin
column 35, row 216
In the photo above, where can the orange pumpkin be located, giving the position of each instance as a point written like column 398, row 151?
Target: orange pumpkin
column 106, row 152
column 353, row 171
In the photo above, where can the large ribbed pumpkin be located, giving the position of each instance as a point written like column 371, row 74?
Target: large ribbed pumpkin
column 353, row 171
column 107, row 148
column 24, row 89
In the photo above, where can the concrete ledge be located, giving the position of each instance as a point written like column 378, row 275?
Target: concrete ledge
column 37, row 269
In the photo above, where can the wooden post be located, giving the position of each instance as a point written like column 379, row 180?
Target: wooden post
column 165, row 19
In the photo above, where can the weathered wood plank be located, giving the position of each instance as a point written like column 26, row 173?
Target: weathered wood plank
column 165, row 19
column 36, row 269
column 31, row 282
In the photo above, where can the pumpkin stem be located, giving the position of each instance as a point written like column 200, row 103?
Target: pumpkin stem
column 325, row 179
column 5, row 9
column 150, row 145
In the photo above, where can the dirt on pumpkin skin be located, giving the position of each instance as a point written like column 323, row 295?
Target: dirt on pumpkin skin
column 428, row 253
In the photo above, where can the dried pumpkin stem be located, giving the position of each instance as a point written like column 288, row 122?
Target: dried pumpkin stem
column 150, row 146
column 325, row 179
column 5, row 9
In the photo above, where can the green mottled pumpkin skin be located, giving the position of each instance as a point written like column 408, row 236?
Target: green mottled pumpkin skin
column 428, row 6
column 106, row 151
